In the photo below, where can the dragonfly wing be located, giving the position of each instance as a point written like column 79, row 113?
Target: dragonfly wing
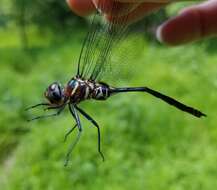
column 96, row 51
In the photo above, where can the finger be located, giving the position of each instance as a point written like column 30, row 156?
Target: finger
column 147, row 1
column 114, row 7
column 191, row 24
column 81, row 7
column 142, row 10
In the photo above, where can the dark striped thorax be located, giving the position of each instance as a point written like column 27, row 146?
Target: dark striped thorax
column 78, row 90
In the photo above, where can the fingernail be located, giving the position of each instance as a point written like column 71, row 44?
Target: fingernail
column 68, row 2
column 159, row 34
column 95, row 3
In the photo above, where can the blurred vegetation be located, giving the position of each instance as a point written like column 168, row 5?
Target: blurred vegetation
column 50, row 14
column 147, row 144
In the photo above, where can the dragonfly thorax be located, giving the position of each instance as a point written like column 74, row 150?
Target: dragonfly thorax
column 78, row 90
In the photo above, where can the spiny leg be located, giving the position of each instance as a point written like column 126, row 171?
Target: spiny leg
column 51, row 115
column 53, row 107
column 96, row 125
column 37, row 105
column 72, row 129
column 78, row 123
column 69, row 132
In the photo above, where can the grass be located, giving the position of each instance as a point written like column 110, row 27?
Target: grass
column 147, row 144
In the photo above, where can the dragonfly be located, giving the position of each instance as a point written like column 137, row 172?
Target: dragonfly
column 86, row 84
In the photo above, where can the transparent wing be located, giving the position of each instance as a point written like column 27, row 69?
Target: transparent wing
column 101, row 39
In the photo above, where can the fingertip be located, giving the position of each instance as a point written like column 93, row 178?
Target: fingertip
column 181, row 29
column 159, row 34
column 81, row 7
column 164, row 34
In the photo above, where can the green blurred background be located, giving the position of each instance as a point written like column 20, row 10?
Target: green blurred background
column 146, row 143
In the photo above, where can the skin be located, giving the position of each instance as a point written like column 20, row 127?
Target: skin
column 192, row 23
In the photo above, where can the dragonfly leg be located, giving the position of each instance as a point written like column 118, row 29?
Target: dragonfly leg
column 53, row 107
column 78, row 124
column 72, row 129
column 69, row 132
column 96, row 125
column 46, row 116
column 37, row 105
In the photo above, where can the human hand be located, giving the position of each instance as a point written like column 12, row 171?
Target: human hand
column 191, row 24
column 135, row 9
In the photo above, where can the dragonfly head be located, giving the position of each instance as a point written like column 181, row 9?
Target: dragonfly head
column 55, row 93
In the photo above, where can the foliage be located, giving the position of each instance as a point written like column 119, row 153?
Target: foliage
column 47, row 13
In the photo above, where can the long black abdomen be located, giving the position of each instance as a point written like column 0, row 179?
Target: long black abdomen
column 163, row 97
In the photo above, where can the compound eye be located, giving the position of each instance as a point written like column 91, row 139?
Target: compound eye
column 54, row 93
column 53, row 87
column 55, row 90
